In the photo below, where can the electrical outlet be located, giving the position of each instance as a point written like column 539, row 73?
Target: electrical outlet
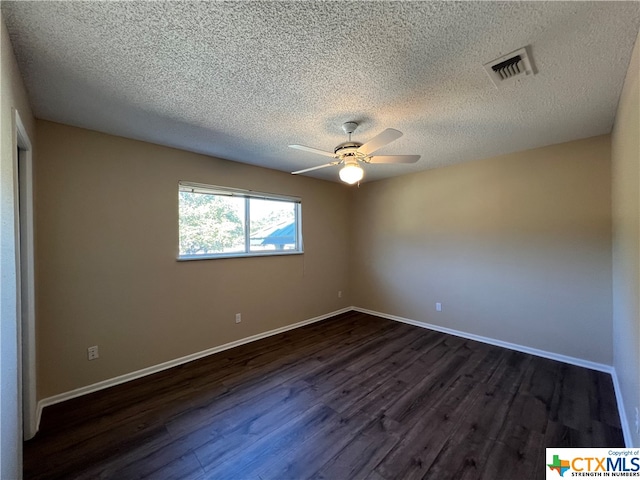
column 339, row 293
column 238, row 317
column 438, row 307
column 637, row 421
column 92, row 352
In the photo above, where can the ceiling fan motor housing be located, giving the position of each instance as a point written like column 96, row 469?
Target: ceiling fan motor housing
column 347, row 148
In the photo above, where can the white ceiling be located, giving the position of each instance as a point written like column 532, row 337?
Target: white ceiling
column 242, row 80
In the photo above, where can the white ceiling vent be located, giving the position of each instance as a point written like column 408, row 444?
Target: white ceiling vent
column 509, row 67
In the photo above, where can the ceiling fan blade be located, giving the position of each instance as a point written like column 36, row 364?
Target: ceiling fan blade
column 313, row 150
column 315, row 168
column 380, row 140
column 394, row 159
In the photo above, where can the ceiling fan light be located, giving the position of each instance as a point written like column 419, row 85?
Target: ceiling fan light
column 351, row 173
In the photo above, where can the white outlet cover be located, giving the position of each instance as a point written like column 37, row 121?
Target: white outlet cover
column 93, row 353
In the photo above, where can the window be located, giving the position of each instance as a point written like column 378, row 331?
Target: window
column 219, row 222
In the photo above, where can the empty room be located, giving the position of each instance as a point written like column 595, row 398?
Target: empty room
column 319, row 240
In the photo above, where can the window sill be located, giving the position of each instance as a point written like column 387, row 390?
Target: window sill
column 189, row 258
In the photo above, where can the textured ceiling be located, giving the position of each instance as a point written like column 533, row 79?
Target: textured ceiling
column 242, row 80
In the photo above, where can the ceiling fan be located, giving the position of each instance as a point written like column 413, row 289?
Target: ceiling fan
column 351, row 154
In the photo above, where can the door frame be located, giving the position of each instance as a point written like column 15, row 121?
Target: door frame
column 25, row 273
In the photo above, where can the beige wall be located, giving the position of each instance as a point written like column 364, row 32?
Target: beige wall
column 107, row 213
column 516, row 248
column 626, row 244
column 13, row 96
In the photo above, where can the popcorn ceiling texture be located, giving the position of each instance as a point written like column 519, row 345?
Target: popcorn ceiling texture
column 242, row 80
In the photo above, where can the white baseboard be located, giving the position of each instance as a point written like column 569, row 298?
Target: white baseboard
column 626, row 429
column 601, row 367
column 45, row 402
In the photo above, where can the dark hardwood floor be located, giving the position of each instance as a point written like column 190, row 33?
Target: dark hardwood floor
column 355, row 396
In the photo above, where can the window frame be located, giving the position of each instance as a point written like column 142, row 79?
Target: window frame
column 185, row 186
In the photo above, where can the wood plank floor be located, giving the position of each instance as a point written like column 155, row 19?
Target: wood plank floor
column 351, row 397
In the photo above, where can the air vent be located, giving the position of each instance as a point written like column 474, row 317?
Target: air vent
column 509, row 67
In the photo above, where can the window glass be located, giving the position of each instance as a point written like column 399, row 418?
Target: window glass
column 273, row 225
column 211, row 224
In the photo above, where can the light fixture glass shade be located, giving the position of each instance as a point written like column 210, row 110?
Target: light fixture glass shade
column 351, row 173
